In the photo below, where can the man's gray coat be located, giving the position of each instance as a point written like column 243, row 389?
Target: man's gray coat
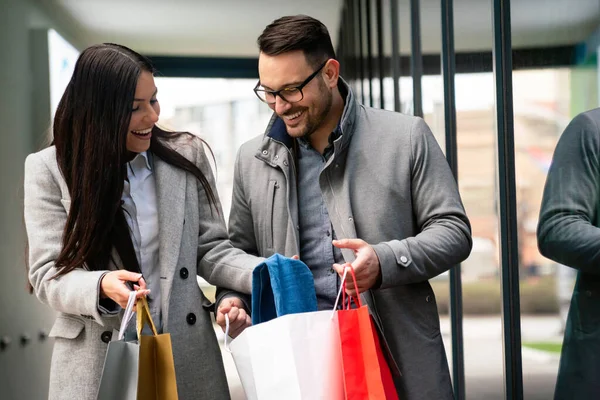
column 389, row 184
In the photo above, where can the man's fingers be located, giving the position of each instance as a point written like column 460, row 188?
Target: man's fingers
column 339, row 269
column 222, row 310
column 225, row 307
column 233, row 314
column 242, row 316
column 354, row 244
column 295, row 257
column 240, row 326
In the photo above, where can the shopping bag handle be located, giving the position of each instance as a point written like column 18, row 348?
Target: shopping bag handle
column 342, row 291
column 356, row 299
column 127, row 315
column 227, row 342
column 144, row 317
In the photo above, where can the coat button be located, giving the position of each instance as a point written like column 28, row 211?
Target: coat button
column 4, row 342
column 106, row 336
column 183, row 273
column 588, row 293
column 403, row 259
column 191, row 318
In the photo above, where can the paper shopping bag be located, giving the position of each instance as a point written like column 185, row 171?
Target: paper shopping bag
column 120, row 373
column 139, row 370
column 157, row 369
column 294, row 357
column 367, row 376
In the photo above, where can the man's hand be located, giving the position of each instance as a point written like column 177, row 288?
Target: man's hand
column 238, row 318
column 366, row 265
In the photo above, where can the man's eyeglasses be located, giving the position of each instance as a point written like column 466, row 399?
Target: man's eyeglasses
column 289, row 94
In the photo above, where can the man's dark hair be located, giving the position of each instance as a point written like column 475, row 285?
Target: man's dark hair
column 297, row 32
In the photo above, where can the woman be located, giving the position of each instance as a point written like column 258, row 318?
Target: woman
column 116, row 197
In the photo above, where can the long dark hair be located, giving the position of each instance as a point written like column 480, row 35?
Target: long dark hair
column 90, row 133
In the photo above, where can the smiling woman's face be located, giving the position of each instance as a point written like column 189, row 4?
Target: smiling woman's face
column 144, row 115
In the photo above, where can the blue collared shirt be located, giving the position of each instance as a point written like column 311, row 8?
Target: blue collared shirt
column 141, row 212
column 316, row 231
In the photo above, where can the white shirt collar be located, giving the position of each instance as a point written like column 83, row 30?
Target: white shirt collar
column 142, row 161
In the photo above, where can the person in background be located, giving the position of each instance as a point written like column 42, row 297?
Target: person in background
column 568, row 233
column 336, row 182
column 118, row 204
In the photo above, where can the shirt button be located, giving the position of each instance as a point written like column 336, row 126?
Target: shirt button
column 350, row 219
column 403, row 259
column 285, row 163
column 191, row 318
column 332, row 271
column 184, row 273
column 265, row 152
column 106, row 336
column 328, row 233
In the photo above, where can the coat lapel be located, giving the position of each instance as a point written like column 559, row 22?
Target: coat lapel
column 170, row 193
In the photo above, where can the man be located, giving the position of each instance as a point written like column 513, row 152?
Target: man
column 334, row 181
column 569, row 233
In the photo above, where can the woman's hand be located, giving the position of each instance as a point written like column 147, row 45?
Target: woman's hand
column 114, row 286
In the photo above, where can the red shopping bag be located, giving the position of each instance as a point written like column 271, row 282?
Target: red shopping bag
column 367, row 375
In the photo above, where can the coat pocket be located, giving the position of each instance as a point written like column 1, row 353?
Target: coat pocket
column 66, row 328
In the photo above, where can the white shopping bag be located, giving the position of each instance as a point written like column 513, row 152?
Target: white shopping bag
column 293, row 357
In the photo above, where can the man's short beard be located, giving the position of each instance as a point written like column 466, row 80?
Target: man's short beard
column 328, row 101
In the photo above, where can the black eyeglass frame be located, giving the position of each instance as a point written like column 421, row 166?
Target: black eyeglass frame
column 299, row 88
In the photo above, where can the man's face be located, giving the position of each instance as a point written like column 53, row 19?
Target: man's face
column 304, row 117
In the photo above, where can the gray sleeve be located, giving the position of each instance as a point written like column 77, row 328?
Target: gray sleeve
column 567, row 229
column 444, row 237
column 241, row 225
column 241, row 232
column 77, row 291
column 107, row 307
column 220, row 263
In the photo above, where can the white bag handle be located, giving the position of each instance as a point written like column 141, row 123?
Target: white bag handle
column 128, row 314
column 339, row 292
column 226, row 343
